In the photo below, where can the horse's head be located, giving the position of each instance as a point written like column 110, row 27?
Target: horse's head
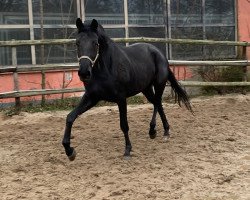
column 87, row 47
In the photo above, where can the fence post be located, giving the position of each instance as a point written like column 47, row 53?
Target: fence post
column 244, row 68
column 15, row 77
column 244, row 56
column 43, row 84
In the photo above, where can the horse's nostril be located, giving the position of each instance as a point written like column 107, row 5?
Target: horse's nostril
column 84, row 74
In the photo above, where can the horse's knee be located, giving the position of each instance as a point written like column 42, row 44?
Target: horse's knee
column 70, row 119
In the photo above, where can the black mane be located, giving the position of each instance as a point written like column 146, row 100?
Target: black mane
column 103, row 38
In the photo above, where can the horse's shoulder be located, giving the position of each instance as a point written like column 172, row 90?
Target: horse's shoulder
column 122, row 70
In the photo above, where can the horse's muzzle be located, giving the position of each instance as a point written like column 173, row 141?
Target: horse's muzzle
column 84, row 76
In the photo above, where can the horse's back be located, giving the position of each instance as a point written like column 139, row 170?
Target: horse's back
column 142, row 65
column 149, row 56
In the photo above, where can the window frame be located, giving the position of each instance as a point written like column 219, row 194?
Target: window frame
column 126, row 25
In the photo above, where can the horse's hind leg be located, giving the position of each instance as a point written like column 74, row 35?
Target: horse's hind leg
column 159, row 89
column 149, row 94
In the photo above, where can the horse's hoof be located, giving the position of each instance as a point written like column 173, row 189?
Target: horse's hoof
column 126, row 154
column 127, row 157
column 73, row 155
column 152, row 134
column 166, row 138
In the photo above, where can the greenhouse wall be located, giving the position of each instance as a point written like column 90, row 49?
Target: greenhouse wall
column 47, row 19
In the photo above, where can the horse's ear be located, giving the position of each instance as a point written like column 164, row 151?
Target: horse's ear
column 79, row 24
column 94, row 25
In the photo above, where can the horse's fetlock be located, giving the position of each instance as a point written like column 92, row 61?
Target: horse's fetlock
column 152, row 125
column 65, row 144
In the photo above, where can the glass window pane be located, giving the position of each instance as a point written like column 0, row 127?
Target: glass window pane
column 185, row 51
column 14, row 12
column 186, row 13
column 23, row 52
column 116, row 33
column 145, row 12
column 219, row 12
column 56, row 53
column 105, row 11
column 55, row 12
column 219, row 33
column 149, row 32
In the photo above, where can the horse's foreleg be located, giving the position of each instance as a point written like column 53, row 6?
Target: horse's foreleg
column 85, row 104
column 124, row 126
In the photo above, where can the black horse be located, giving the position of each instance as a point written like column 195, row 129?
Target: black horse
column 112, row 73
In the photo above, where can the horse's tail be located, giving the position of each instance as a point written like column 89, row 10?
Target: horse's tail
column 180, row 94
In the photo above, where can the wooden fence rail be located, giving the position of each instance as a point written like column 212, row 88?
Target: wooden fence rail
column 29, row 93
column 73, row 66
column 124, row 40
column 26, row 93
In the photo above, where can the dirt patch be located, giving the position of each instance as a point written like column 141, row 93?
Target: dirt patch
column 207, row 156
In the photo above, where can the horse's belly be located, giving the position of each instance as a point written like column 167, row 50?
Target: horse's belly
column 139, row 85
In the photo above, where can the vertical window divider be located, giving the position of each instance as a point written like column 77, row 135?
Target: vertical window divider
column 236, row 24
column 82, row 10
column 78, row 8
column 32, row 37
column 203, row 27
column 168, row 4
column 126, row 19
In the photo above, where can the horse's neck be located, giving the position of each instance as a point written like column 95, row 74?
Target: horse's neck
column 106, row 54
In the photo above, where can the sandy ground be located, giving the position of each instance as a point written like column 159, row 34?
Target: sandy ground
column 207, row 156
